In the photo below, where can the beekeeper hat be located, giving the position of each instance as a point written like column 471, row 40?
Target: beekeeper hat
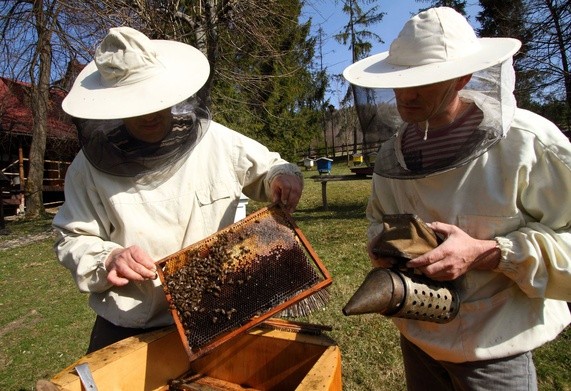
column 132, row 75
column 436, row 45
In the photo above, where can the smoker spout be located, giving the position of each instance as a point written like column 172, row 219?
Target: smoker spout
column 404, row 294
column 381, row 292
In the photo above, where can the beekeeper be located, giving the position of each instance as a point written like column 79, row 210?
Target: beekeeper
column 493, row 179
column 154, row 175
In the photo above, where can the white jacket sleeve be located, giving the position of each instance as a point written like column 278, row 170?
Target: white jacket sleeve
column 538, row 255
column 257, row 167
column 81, row 246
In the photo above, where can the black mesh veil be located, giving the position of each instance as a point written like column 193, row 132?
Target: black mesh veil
column 377, row 113
column 111, row 149
column 490, row 90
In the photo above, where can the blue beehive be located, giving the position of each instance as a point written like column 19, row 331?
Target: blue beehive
column 324, row 165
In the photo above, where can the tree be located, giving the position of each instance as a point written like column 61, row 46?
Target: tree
column 543, row 81
column 356, row 34
column 506, row 18
column 323, row 79
column 252, row 47
column 264, row 87
column 40, row 95
column 258, row 53
column 32, row 33
column 549, row 54
column 458, row 5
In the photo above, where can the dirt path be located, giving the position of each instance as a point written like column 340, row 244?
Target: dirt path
column 24, row 240
column 8, row 241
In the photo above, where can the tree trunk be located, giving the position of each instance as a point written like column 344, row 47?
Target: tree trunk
column 40, row 97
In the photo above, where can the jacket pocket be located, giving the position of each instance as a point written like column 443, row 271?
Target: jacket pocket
column 213, row 192
column 216, row 206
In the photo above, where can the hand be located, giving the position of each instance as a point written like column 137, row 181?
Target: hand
column 129, row 264
column 456, row 255
column 286, row 188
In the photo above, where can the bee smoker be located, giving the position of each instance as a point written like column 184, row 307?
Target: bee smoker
column 399, row 292
column 403, row 294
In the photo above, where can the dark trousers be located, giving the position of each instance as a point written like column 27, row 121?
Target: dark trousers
column 515, row 373
column 105, row 333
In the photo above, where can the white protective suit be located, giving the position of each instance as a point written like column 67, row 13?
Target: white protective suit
column 103, row 212
column 518, row 192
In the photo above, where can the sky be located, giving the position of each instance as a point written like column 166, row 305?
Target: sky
column 329, row 15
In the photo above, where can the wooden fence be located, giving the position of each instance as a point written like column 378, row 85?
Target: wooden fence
column 351, row 152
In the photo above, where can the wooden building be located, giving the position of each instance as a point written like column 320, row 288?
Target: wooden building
column 16, row 123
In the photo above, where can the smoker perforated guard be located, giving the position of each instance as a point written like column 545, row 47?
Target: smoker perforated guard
column 238, row 277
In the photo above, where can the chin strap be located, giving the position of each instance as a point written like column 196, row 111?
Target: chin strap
column 450, row 91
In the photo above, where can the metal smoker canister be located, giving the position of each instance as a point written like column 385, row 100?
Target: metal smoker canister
column 401, row 294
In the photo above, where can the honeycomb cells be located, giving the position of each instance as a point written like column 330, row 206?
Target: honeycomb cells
column 241, row 272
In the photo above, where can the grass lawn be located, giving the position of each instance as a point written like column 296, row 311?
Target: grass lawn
column 45, row 322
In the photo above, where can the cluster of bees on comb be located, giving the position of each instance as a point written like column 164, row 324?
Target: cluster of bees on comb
column 231, row 277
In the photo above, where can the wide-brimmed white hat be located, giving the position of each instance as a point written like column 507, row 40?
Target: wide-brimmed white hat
column 132, row 75
column 436, row 45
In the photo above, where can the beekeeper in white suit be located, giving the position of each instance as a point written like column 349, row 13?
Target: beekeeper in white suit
column 492, row 179
column 154, row 175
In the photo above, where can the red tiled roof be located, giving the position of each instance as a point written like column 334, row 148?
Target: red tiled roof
column 16, row 114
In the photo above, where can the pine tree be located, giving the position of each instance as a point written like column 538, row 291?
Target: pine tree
column 356, row 33
column 268, row 91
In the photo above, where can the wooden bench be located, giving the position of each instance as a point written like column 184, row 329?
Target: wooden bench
column 324, row 179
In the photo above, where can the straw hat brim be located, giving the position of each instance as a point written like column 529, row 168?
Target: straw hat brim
column 376, row 71
column 186, row 71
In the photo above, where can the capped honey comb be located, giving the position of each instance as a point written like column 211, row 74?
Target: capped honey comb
column 236, row 278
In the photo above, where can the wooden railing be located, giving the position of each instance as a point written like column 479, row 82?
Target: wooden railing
column 13, row 194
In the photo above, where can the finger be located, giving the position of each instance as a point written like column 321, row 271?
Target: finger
column 284, row 195
column 444, row 230
column 423, row 261
column 286, row 189
column 288, row 198
column 276, row 195
column 140, row 262
column 125, row 266
column 134, row 272
column 280, row 196
column 293, row 199
column 439, row 272
column 145, row 272
column 114, row 279
column 139, row 256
